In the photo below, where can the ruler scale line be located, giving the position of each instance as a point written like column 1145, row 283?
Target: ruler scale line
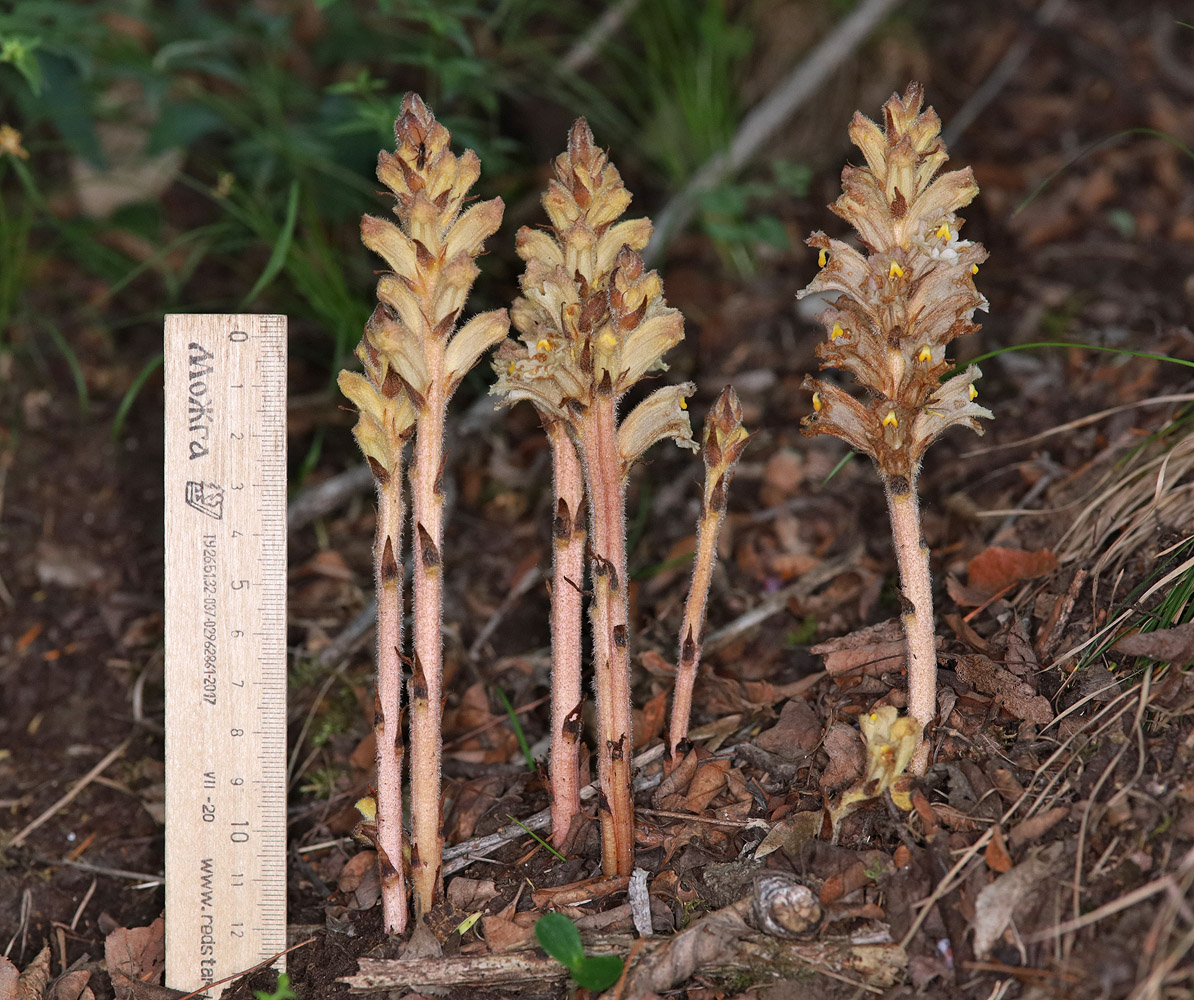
column 226, row 653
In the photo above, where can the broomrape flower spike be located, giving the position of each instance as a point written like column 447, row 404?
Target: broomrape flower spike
column 906, row 297
column 415, row 358
column 586, row 292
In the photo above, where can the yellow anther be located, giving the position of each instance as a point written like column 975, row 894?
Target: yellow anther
column 543, row 345
column 943, row 232
column 890, row 420
column 684, row 402
column 510, row 369
column 925, row 354
column 822, row 257
column 974, row 269
column 973, row 392
column 895, row 271
column 836, row 332
column 607, row 342
column 874, row 717
column 817, row 402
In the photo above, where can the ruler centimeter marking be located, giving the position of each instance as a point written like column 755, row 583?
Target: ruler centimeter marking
column 225, row 627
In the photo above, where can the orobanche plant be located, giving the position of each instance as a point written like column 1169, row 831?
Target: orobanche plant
column 592, row 322
column 414, row 359
column 904, row 300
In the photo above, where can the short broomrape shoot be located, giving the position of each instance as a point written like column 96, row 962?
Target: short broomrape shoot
column 417, row 363
column 725, row 439
column 592, row 322
column 903, row 301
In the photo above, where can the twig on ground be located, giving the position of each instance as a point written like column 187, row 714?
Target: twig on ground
column 75, row 789
column 768, row 117
column 314, row 502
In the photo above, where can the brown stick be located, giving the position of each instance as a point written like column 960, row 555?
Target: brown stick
column 387, row 720
column 567, row 578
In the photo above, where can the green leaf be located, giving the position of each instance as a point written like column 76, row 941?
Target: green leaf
column 558, row 936
column 17, row 51
column 597, row 972
column 283, row 992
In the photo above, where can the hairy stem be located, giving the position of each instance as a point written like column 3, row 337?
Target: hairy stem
column 694, row 624
column 611, row 633
column 387, row 721
column 426, row 738
column 912, row 555
column 567, row 579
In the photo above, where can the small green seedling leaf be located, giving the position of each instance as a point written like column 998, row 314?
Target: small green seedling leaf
column 283, row 992
column 558, row 936
column 598, row 972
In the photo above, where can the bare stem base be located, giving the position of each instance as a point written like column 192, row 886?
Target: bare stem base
column 912, row 555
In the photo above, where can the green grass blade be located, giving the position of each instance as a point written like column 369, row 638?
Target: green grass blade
column 517, row 726
column 281, row 250
column 131, row 394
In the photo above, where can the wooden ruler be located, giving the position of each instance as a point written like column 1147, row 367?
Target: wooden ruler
column 225, row 487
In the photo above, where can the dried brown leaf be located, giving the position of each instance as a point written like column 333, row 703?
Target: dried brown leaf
column 846, row 757
column 795, row 735
column 138, row 953
column 1008, row 690
column 998, row 902
column 33, row 981
column 996, row 568
column 1173, row 645
column 869, row 652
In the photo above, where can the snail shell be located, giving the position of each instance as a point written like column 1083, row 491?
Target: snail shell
column 784, row 907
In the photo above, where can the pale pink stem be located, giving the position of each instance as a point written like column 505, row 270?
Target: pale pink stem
column 912, row 556
column 426, row 737
column 611, row 634
column 693, row 626
column 567, row 580
column 387, row 723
